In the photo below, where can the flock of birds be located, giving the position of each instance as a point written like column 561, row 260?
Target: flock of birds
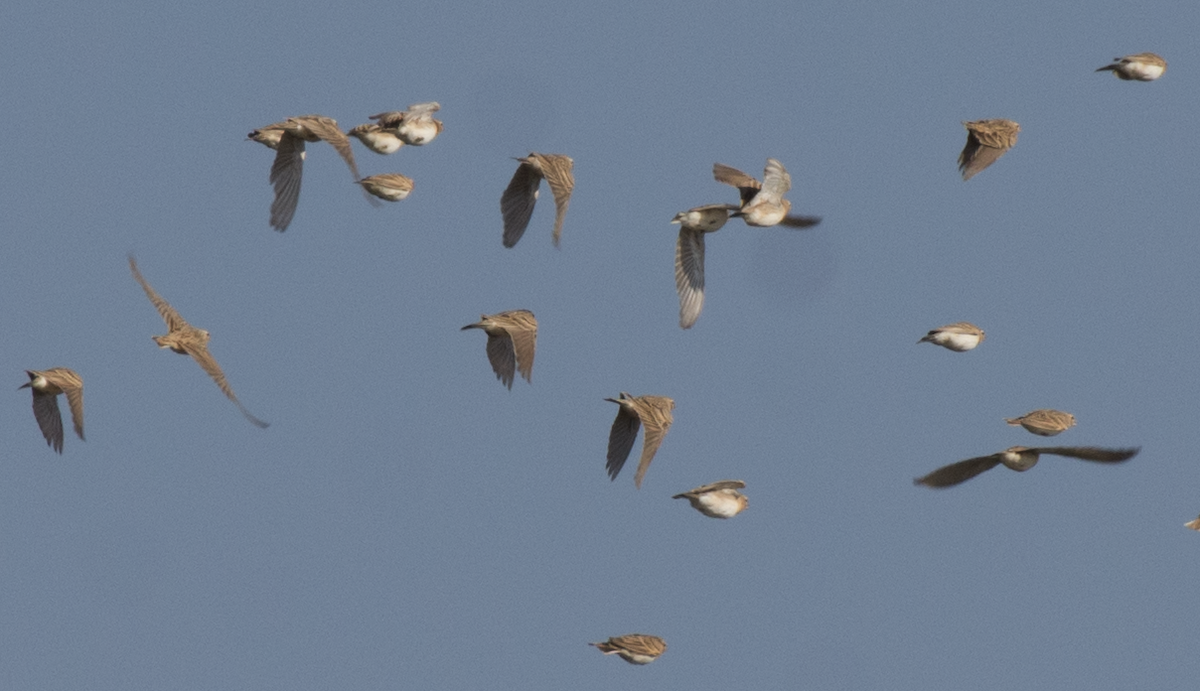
column 512, row 335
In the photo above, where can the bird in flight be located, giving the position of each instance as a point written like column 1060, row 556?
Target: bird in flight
column 763, row 204
column 635, row 411
column 987, row 141
column 718, row 499
column 1143, row 67
column 1020, row 459
column 512, row 341
column 516, row 204
column 287, row 139
column 634, row 648
column 959, row 336
column 46, row 386
column 185, row 339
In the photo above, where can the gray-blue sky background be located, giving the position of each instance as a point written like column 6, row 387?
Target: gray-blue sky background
column 406, row 522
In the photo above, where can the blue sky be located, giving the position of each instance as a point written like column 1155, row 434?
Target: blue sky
column 407, row 522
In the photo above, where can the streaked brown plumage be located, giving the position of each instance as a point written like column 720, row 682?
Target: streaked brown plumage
column 1143, row 67
column 1194, row 524
column 635, row 411
column 689, row 256
column 287, row 138
column 415, row 126
column 1020, row 459
column 763, row 204
column 511, row 344
column 390, row 187
column 634, row 648
column 185, row 339
column 1044, row 421
column 987, row 141
column 46, row 386
column 718, row 499
column 516, row 204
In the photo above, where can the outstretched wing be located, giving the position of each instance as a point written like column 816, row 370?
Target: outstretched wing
column 168, row 313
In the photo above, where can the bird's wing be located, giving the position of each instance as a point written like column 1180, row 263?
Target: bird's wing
column 800, row 221
column 503, row 358
column 45, row 410
column 286, row 173
column 417, row 110
column 956, row 473
column 168, row 313
column 559, row 174
column 747, row 186
column 620, row 440
column 524, row 343
column 689, row 275
column 75, row 400
column 200, row 354
column 656, row 417
column 713, row 487
column 516, row 204
column 776, row 181
column 327, row 129
column 1091, row 453
column 975, row 157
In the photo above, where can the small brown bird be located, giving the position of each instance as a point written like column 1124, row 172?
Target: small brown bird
column 1044, row 422
column 185, row 339
column 1144, row 67
column 689, row 256
column 763, row 204
column 652, row 411
column 415, row 126
column 512, row 341
column 377, row 139
column 987, row 141
column 717, row 500
column 46, row 386
column 390, row 187
column 634, row 648
column 1194, row 525
column 959, row 336
column 516, row 204
column 287, row 138
column 1020, row 459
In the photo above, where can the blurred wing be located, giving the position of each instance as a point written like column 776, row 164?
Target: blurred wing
column 207, row 363
column 524, row 344
column 975, row 157
column 516, row 204
column 956, row 473
column 800, row 221
column 747, row 186
column 417, row 110
column 45, row 410
column 559, row 174
column 168, row 313
column 776, row 181
column 620, row 440
column 327, row 129
column 717, row 486
column 503, row 358
column 286, row 173
column 689, row 275
column 390, row 119
column 75, row 400
column 1091, row 453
